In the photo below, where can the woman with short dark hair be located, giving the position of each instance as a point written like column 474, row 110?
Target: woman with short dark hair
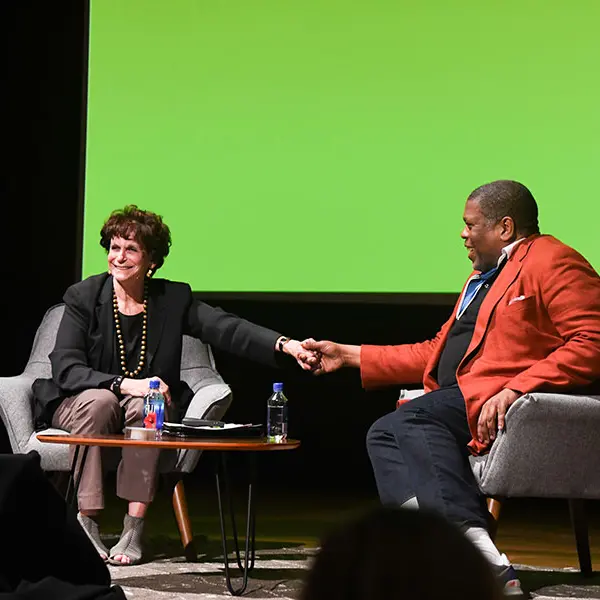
column 119, row 330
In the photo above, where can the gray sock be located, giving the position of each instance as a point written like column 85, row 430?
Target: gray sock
column 91, row 529
column 130, row 543
column 481, row 538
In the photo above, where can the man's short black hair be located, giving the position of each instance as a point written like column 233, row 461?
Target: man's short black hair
column 506, row 198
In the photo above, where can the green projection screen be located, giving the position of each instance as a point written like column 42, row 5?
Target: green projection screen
column 329, row 146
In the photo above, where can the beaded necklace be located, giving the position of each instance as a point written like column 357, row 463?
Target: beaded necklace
column 121, row 342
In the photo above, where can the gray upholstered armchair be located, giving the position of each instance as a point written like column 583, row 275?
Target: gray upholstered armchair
column 211, row 399
column 549, row 449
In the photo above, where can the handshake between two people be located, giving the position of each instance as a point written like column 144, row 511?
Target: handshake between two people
column 316, row 357
column 321, row 357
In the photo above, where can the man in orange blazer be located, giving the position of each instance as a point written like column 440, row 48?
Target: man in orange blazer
column 528, row 319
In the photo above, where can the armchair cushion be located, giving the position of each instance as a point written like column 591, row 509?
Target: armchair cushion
column 54, row 457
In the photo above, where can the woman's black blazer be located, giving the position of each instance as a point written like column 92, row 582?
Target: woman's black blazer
column 85, row 342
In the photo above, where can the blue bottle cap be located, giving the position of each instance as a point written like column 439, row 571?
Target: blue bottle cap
column 278, row 387
column 154, row 384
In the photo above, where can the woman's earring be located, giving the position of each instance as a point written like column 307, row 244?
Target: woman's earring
column 149, row 273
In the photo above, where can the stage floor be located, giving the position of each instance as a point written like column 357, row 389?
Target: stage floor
column 536, row 536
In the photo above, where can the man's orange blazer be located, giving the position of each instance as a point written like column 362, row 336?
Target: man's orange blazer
column 538, row 328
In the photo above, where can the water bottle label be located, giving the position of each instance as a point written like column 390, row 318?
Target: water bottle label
column 150, row 418
column 277, row 425
column 154, row 414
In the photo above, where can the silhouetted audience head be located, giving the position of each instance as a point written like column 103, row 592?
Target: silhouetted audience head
column 393, row 554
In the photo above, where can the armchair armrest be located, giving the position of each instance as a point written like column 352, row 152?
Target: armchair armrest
column 547, row 449
column 210, row 401
column 209, row 390
column 16, row 397
column 212, row 397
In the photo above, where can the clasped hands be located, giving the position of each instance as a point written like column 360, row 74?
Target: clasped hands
column 308, row 359
column 317, row 357
column 307, row 353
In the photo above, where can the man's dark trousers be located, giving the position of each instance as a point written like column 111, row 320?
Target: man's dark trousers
column 420, row 450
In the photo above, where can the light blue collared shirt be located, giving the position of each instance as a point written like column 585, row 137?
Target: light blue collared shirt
column 477, row 281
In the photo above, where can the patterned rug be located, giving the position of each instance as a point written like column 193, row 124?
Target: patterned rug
column 278, row 573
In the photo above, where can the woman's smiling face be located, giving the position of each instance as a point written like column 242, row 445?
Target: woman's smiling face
column 127, row 260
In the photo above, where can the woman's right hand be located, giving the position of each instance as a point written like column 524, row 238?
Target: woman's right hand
column 139, row 388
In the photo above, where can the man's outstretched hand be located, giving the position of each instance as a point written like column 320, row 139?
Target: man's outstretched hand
column 332, row 356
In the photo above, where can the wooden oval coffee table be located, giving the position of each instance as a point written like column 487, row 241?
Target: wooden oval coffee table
column 250, row 446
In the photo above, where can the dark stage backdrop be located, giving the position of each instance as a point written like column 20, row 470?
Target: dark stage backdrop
column 44, row 59
column 42, row 91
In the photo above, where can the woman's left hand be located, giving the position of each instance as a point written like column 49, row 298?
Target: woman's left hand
column 308, row 360
column 139, row 387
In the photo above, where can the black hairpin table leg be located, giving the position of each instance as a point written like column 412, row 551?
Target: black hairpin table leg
column 249, row 547
column 75, row 476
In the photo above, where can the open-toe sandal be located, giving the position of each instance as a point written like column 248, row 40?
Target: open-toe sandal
column 130, row 544
column 91, row 529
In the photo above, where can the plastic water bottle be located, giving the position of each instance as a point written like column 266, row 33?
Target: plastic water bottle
column 277, row 417
column 154, row 407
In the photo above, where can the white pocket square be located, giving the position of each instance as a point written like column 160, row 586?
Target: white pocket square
column 517, row 299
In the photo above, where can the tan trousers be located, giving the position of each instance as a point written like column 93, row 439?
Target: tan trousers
column 99, row 411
